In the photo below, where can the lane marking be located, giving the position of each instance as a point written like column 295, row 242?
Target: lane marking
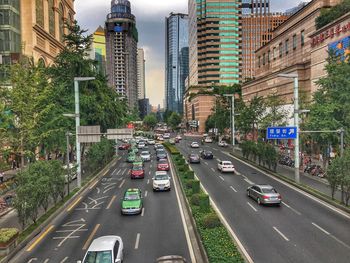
column 121, row 184
column 64, row 260
column 213, row 169
column 291, row 208
column 74, row 204
column 93, row 185
column 148, row 181
column 137, row 240
column 143, row 211
column 238, row 173
column 149, row 172
column 233, row 189
column 320, row 228
column 281, row 234
column 46, row 260
column 40, row 238
column 206, row 163
column 222, row 178
column 146, row 193
column 252, row 207
column 88, row 241
column 32, row 259
column 248, row 181
column 119, row 171
column 111, row 202
column 115, row 171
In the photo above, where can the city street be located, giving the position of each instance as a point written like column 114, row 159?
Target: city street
column 302, row 229
column 158, row 231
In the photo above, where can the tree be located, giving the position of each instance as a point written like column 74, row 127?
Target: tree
column 275, row 113
column 150, row 120
column 331, row 14
column 174, row 120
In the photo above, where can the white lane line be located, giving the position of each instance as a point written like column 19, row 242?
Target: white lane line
column 320, row 228
column 206, row 163
column 248, row 181
column 149, row 172
column 148, row 181
column 46, row 260
column 238, row 173
column 150, row 166
column 146, row 193
column 215, row 149
column 143, row 211
column 124, row 171
column 291, row 208
column 281, row 234
column 137, row 240
column 64, row 260
column 222, row 178
column 32, row 259
column 252, row 207
column 233, row 189
column 213, row 170
column 121, row 184
column 114, row 171
column 119, row 172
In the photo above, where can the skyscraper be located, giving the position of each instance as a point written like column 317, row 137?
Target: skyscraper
column 121, row 47
column 98, row 49
column 176, row 60
column 141, row 85
column 257, row 7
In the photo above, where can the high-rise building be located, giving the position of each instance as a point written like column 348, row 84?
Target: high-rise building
column 176, row 60
column 33, row 28
column 121, row 47
column 257, row 7
column 141, row 82
column 98, row 49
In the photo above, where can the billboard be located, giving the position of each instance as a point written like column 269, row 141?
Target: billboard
column 341, row 48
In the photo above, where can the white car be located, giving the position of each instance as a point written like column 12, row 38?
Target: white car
column 160, row 138
column 105, row 249
column 145, row 156
column 166, row 135
column 226, row 167
column 151, row 142
column 141, row 145
column 208, row 140
column 223, row 144
column 194, row 145
column 161, row 181
column 178, row 137
column 72, row 172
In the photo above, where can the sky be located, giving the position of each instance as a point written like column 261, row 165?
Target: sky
column 150, row 21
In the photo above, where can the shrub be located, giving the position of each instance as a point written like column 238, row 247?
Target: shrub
column 6, row 234
column 204, row 202
column 189, row 184
column 211, row 221
column 171, row 148
column 182, row 168
column 190, row 175
column 195, row 186
column 195, row 199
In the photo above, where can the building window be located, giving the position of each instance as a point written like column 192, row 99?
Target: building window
column 39, row 12
column 280, row 50
column 268, row 56
column 259, row 61
column 286, row 46
column 52, row 21
column 264, row 58
column 61, row 22
column 302, row 37
column 274, row 53
column 294, row 41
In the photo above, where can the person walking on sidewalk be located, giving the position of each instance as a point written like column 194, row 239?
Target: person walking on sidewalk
column 1, row 177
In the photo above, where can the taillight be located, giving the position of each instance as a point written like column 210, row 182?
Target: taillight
column 266, row 197
column 279, row 197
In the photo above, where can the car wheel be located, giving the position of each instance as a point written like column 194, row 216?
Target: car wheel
column 259, row 201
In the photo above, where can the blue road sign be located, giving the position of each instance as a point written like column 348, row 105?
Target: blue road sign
column 281, row 132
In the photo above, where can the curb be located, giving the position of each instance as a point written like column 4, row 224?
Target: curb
column 7, row 211
column 304, row 188
column 82, row 191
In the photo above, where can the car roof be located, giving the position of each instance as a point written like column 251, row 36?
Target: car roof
column 132, row 190
column 145, row 152
column 104, row 243
column 264, row 185
column 162, row 160
column 161, row 172
column 226, row 161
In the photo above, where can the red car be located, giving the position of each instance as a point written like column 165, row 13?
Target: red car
column 163, row 165
column 137, row 172
column 124, row 146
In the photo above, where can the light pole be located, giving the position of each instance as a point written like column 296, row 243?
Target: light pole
column 232, row 116
column 68, row 168
column 296, row 123
column 77, row 123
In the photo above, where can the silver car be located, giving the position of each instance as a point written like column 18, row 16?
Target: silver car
column 264, row 194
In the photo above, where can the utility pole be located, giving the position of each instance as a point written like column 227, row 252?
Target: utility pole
column 232, row 117
column 67, row 159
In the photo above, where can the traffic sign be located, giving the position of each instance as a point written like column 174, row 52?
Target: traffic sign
column 116, row 134
column 282, row 132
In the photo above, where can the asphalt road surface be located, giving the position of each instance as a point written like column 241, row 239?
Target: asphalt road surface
column 302, row 229
column 158, row 231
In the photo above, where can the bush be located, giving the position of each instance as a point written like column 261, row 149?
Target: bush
column 211, row 221
column 195, row 186
column 182, row 168
column 195, row 199
column 204, row 202
column 171, row 148
column 189, row 184
column 189, row 175
column 6, row 234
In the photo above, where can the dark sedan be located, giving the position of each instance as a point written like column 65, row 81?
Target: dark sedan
column 207, row 155
column 194, row 158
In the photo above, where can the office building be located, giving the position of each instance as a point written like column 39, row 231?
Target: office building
column 176, row 60
column 121, row 49
column 98, row 49
column 144, row 107
column 141, row 82
column 255, row 7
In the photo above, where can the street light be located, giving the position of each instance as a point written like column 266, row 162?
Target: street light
column 77, row 123
column 232, row 117
column 294, row 76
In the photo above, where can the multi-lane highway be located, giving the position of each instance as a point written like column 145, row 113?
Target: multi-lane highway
column 302, row 229
column 158, row 231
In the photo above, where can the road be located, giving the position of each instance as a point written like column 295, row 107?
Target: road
column 301, row 230
column 158, row 231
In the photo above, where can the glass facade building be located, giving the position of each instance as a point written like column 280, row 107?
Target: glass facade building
column 176, row 61
column 257, row 7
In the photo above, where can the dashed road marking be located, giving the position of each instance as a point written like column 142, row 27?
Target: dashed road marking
column 291, row 208
column 281, row 234
column 119, row 171
column 206, row 163
column 148, row 181
column 222, row 178
column 46, row 260
column 143, row 211
column 252, row 207
column 32, row 259
column 111, row 202
column 233, row 189
column 213, row 169
column 137, row 240
column 320, row 228
column 146, row 193
column 64, row 260
column 88, row 241
column 121, row 184
column 248, row 181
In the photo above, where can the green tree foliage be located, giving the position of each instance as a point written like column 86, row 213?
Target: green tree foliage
column 150, row 120
column 220, row 118
column 265, row 152
column 100, row 154
column 331, row 14
column 174, row 120
column 275, row 115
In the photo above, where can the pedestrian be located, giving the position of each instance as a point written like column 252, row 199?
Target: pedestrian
column 1, row 177
column 14, row 166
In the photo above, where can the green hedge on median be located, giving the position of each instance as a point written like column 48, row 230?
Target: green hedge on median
column 171, row 148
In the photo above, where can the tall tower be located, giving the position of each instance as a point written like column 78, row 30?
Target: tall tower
column 176, row 60
column 98, row 49
column 121, row 48
column 141, row 85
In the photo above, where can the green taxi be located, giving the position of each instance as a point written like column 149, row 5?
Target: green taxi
column 131, row 158
column 132, row 202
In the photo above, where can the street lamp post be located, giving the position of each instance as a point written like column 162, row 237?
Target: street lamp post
column 296, row 123
column 68, row 168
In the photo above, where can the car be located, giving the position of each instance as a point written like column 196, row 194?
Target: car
column 177, row 140
column 161, row 181
column 105, row 249
column 145, row 156
column 166, row 136
column 226, row 166
column 132, row 203
column 161, row 138
column 161, row 154
column 133, row 149
column 172, row 141
column 193, row 158
column 178, row 137
column 208, row 140
column 72, row 172
column 207, row 154
column 222, row 144
column 163, row 165
column 171, row 259
column 141, row 145
column 124, row 146
column 151, row 142
column 137, row 172
column 194, row 145
column 264, row 194
column 157, row 145
column 131, row 158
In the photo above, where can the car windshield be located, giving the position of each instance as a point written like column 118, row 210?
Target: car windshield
column 160, row 152
column 163, row 161
column 131, row 196
column 194, row 156
column 268, row 190
column 99, row 257
column 137, row 168
column 145, row 153
column 161, row 177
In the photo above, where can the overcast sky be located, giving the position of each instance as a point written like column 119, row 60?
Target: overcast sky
column 150, row 21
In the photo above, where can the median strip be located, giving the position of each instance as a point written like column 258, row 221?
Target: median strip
column 74, row 204
column 40, row 238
